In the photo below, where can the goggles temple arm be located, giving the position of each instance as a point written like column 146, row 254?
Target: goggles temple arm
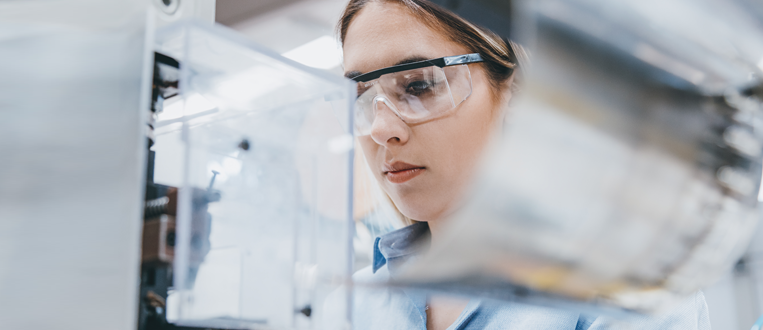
column 439, row 62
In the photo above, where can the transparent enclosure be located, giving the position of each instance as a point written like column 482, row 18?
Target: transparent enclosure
column 261, row 148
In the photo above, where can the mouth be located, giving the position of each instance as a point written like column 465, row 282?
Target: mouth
column 399, row 172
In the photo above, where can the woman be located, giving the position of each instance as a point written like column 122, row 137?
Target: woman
column 432, row 89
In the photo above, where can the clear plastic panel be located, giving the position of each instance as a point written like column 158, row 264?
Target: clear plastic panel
column 264, row 213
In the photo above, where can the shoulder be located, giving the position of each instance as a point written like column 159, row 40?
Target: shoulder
column 370, row 301
column 512, row 315
column 370, row 293
column 691, row 314
column 376, row 306
column 367, row 275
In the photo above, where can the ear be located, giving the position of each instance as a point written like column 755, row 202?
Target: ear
column 506, row 92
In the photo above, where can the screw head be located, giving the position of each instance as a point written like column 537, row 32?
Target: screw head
column 307, row 311
column 244, row 145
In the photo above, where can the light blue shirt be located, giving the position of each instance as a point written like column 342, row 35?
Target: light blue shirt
column 393, row 308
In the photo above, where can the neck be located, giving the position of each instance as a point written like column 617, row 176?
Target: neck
column 436, row 230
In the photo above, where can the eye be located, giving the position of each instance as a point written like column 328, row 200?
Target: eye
column 418, row 87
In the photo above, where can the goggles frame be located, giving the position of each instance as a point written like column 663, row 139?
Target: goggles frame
column 438, row 62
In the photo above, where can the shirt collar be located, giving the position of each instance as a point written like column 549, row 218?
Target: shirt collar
column 395, row 247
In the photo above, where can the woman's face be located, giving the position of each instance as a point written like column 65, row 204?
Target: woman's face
column 442, row 152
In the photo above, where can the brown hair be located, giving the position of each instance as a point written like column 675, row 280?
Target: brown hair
column 499, row 55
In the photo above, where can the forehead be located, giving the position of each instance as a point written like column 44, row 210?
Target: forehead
column 383, row 34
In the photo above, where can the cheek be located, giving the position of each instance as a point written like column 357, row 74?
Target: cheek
column 468, row 133
column 370, row 151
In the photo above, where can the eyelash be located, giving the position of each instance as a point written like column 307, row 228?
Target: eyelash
column 426, row 87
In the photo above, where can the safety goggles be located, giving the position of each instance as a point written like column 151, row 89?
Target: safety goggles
column 415, row 92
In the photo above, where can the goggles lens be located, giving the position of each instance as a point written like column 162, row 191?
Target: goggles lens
column 414, row 96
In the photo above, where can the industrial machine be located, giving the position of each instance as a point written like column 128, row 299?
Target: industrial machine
column 252, row 227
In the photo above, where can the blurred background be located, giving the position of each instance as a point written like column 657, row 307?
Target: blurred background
column 300, row 30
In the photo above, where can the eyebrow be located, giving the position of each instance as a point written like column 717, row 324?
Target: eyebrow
column 410, row 59
column 352, row 74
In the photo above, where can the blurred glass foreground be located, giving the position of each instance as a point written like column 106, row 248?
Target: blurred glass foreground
column 628, row 172
column 71, row 139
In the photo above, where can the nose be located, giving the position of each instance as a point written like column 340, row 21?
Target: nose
column 387, row 128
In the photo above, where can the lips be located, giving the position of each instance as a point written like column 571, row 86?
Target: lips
column 399, row 172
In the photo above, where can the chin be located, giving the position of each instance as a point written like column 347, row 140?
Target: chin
column 422, row 211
